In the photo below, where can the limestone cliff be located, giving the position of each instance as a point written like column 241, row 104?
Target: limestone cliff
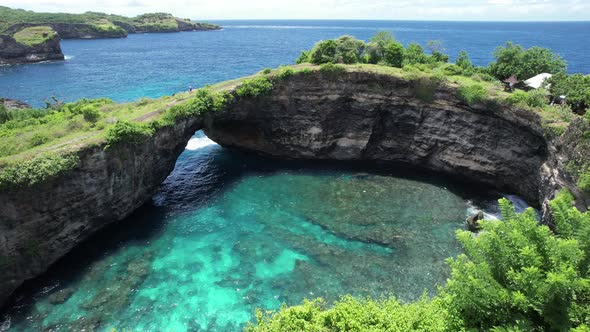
column 358, row 116
column 12, row 52
column 39, row 225
column 378, row 118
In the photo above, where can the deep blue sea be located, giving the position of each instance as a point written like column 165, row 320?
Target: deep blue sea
column 153, row 65
column 229, row 232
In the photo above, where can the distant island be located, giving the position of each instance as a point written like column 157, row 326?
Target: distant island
column 27, row 36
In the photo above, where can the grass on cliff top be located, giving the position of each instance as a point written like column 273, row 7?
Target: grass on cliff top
column 34, row 35
column 86, row 122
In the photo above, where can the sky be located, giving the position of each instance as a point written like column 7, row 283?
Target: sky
column 457, row 10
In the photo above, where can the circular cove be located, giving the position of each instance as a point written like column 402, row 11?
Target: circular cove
column 230, row 232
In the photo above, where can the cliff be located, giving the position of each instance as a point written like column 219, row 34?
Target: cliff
column 38, row 225
column 91, row 25
column 74, row 30
column 355, row 115
column 378, row 118
column 12, row 52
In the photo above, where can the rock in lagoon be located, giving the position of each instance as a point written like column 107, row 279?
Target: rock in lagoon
column 473, row 221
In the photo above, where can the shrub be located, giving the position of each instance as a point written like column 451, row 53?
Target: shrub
column 518, row 97
column 90, row 114
column 415, row 55
column 285, row 72
column 38, row 139
column 4, row 114
column 394, row 54
column 377, row 46
column 515, row 275
column 332, row 71
column 452, row 70
column 39, row 169
column 537, row 98
column 255, row 87
column 472, row 94
column 266, row 71
column 584, row 181
column 350, row 314
column 463, row 61
column 323, row 52
column 143, row 101
column 303, row 57
column 513, row 59
column 128, row 133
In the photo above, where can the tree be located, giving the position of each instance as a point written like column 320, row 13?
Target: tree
column 394, row 54
column 377, row 46
column 415, row 54
column 349, row 50
column 323, row 52
column 435, row 46
column 513, row 59
column 463, row 60
column 345, row 49
column 4, row 114
column 576, row 88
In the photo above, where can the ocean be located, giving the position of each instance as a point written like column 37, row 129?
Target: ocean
column 152, row 65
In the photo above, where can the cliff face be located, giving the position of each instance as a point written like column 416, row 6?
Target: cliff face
column 12, row 52
column 39, row 225
column 379, row 118
column 357, row 116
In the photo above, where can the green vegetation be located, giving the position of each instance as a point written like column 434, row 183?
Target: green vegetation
column 254, row 87
column 576, row 88
column 34, row 35
column 37, row 170
column 381, row 49
column 472, row 94
column 332, row 71
column 584, row 181
column 513, row 59
column 515, row 275
column 128, row 132
column 98, row 21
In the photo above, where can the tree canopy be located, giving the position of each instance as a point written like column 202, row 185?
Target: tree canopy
column 513, row 59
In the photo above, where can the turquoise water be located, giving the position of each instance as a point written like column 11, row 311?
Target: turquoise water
column 229, row 232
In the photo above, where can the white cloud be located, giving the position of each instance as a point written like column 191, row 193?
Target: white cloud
column 328, row 9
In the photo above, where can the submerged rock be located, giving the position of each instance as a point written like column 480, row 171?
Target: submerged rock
column 61, row 296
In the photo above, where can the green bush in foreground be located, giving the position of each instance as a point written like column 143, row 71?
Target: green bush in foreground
column 128, row 132
column 515, row 275
column 39, row 169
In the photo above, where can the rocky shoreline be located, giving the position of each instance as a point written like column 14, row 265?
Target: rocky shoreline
column 357, row 116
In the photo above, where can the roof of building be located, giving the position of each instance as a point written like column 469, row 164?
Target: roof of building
column 512, row 79
column 538, row 81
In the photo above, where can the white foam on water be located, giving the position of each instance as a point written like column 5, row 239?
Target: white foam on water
column 197, row 143
column 5, row 325
column 68, row 57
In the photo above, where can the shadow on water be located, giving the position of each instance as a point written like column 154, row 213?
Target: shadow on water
column 202, row 177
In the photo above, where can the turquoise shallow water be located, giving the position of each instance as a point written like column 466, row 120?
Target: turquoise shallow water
column 229, row 232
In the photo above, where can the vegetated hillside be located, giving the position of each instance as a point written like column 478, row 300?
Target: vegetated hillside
column 96, row 25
